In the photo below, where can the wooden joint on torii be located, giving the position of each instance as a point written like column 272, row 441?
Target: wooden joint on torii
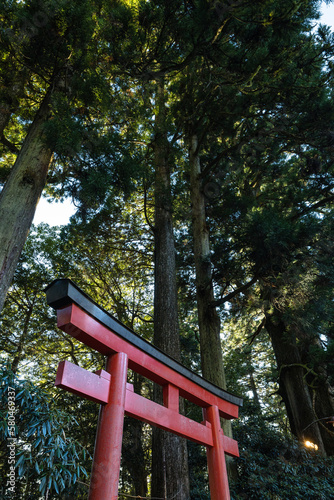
column 83, row 319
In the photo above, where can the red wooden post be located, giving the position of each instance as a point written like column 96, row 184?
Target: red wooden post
column 171, row 397
column 218, row 479
column 108, row 444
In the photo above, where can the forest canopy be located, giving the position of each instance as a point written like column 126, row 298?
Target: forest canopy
column 196, row 140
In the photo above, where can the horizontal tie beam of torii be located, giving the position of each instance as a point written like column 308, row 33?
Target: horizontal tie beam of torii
column 83, row 319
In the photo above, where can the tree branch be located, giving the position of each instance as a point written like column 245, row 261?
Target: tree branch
column 257, row 331
column 12, row 148
column 230, row 296
column 320, row 203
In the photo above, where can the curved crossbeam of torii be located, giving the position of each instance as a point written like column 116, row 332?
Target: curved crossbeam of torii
column 79, row 316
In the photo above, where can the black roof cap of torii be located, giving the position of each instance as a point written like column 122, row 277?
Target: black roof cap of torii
column 63, row 292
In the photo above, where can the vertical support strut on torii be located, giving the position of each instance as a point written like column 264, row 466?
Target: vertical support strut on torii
column 83, row 319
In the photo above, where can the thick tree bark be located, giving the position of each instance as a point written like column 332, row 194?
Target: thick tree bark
column 306, row 404
column 322, row 394
column 19, row 197
column 170, row 478
column 323, row 403
column 208, row 318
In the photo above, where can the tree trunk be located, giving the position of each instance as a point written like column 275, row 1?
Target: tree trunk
column 293, row 385
column 170, row 478
column 19, row 197
column 135, row 456
column 323, row 403
column 208, row 318
column 322, row 393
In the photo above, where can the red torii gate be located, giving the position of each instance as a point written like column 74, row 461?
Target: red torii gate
column 83, row 319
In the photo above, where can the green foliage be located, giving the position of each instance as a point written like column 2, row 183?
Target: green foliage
column 198, row 474
column 34, row 346
column 254, row 83
column 48, row 459
column 273, row 466
column 28, row 327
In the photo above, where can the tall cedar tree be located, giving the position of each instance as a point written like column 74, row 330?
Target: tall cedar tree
column 170, row 476
column 46, row 49
column 259, row 90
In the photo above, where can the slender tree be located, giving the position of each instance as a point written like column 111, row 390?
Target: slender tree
column 169, row 455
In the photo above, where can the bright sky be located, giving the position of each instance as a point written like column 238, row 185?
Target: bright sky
column 57, row 214
column 327, row 14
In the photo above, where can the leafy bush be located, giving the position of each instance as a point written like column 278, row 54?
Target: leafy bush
column 274, row 466
column 47, row 458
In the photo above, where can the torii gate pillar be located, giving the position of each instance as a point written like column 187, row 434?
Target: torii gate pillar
column 108, row 444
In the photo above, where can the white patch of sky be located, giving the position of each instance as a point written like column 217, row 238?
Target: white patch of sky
column 59, row 213
column 55, row 213
column 327, row 12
